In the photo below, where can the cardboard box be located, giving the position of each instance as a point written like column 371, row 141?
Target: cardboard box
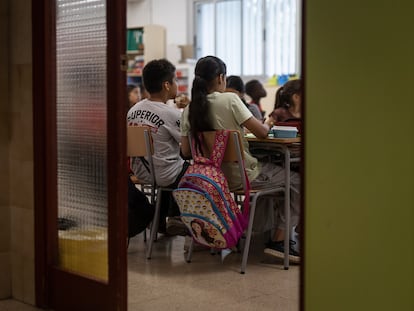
column 187, row 52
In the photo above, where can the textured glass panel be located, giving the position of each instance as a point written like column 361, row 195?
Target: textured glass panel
column 81, row 136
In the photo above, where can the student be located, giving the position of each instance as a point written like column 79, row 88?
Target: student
column 256, row 92
column 134, row 94
column 235, row 84
column 210, row 109
column 160, row 82
column 288, row 102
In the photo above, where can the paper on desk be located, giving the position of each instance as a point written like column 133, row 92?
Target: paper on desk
column 249, row 135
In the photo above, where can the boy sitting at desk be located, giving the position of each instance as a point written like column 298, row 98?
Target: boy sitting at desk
column 161, row 84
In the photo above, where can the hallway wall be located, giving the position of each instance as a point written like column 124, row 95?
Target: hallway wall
column 359, row 155
column 16, row 141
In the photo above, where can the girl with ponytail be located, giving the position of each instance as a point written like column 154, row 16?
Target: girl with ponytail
column 211, row 108
column 288, row 102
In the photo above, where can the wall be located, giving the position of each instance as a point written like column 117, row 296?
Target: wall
column 173, row 15
column 16, row 142
column 5, row 279
column 179, row 26
column 359, row 156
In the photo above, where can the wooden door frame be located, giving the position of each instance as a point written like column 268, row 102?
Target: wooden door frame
column 113, row 295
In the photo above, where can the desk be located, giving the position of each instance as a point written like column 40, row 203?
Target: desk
column 284, row 145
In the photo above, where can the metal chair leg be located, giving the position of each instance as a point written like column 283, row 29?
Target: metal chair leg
column 154, row 226
column 248, row 235
column 190, row 251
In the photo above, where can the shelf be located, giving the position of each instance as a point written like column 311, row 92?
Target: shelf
column 143, row 45
column 135, row 52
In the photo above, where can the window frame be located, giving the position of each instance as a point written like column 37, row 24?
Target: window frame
column 261, row 76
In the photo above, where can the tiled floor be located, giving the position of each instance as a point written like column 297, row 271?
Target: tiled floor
column 168, row 282
column 206, row 283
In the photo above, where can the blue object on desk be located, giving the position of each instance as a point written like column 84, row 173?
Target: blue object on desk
column 282, row 79
column 284, row 131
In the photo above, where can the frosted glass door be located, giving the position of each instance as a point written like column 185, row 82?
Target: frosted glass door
column 81, row 62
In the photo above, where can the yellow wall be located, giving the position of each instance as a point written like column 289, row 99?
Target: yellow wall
column 359, row 155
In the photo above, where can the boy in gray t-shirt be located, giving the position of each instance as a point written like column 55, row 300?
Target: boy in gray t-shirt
column 160, row 82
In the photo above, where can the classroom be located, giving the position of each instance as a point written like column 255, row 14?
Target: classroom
column 354, row 167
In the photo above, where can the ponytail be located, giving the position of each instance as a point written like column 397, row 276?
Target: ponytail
column 200, row 119
column 280, row 99
column 199, row 110
column 284, row 94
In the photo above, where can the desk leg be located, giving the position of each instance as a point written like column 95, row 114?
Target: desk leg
column 287, row 207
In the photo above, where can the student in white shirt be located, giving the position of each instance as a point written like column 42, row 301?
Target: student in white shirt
column 161, row 84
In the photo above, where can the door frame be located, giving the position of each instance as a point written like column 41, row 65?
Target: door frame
column 54, row 287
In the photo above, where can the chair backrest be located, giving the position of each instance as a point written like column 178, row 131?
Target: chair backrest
column 234, row 145
column 234, row 151
column 139, row 141
column 140, row 144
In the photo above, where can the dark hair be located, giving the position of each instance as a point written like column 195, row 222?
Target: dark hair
column 235, row 82
column 284, row 93
column 141, row 87
column 155, row 73
column 254, row 88
column 130, row 88
column 206, row 70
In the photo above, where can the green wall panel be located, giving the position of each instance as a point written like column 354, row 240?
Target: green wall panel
column 359, row 238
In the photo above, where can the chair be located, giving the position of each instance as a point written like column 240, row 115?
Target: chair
column 235, row 153
column 139, row 144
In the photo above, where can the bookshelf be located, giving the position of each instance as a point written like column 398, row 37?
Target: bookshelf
column 144, row 43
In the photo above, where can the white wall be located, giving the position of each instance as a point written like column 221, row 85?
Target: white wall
column 173, row 15
column 177, row 17
column 138, row 13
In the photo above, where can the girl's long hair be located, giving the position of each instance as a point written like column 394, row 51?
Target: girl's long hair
column 206, row 70
column 284, row 94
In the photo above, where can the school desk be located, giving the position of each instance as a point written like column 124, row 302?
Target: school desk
column 290, row 148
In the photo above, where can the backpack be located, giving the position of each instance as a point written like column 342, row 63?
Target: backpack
column 140, row 210
column 207, row 207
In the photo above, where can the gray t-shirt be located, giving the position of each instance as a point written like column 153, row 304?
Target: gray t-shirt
column 165, row 125
column 255, row 111
column 228, row 112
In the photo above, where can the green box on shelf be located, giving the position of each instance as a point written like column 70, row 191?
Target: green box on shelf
column 134, row 39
